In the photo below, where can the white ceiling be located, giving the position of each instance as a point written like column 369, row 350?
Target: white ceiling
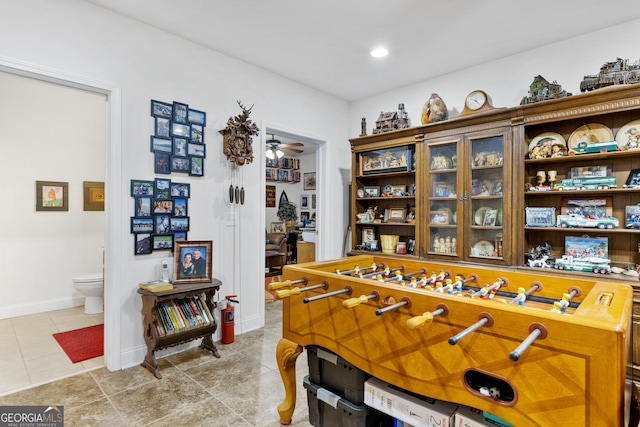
column 325, row 44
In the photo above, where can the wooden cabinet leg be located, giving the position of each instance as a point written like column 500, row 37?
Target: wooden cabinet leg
column 286, row 354
column 207, row 344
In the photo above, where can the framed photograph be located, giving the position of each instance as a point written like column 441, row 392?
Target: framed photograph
column 162, row 242
column 304, row 201
column 180, row 129
column 143, row 206
column 589, row 208
column 633, row 180
column 309, row 181
column 586, row 247
column 179, row 236
column 270, row 200
column 439, row 217
column 632, row 216
column 197, row 117
column 197, row 134
column 304, row 216
column 162, row 224
column 52, row 196
column 496, row 188
column 192, row 262
column 490, row 217
column 371, row 191
column 397, row 214
column 142, row 225
column 180, row 189
column 142, row 243
column 368, row 235
column 179, row 224
column 142, row 188
column 162, row 162
column 313, row 201
column 277, row 227
column 443, row 189
column 180, row 112
column 180, row 164
column 93, row 192
column 180, row 206
column 180, row 147
column 161, row 109
column 160, row 144
column 588, row 171
column 197, row 150
column 411, row 246
column 540, row 217
column 161, row 206
column 197, row 166
column 162, row 188
column 162, row 127
column 386, row 160
column 412, row 190
column 398, row 190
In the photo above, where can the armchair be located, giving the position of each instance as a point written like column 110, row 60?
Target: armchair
column 275, row 250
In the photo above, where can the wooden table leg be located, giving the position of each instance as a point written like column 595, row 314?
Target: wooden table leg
column 286, row 354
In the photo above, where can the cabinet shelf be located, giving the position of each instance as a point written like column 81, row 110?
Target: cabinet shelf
column 589, row 158
column 586, row 230
column 368, row 199
column 386, row 174
column 386, row 224
column 582, row 192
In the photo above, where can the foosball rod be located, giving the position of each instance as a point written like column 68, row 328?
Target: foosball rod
column 485, row 320
column 356, row 270
column 366, row 276
column 535, row 298
column 347, row 290
column 286, row 284
column 427, row 317
column 285, row 293
column 352, row 302
column 405, row 301
column 401, row 276
column 537, row 331
column 535, row 287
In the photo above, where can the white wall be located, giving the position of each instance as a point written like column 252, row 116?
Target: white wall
column 507, row 80
column 49, row 133
column 71, row 37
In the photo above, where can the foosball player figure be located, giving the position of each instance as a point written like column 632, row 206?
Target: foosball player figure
column 413, row 283
column 398, row 277
column 423, row 281
column 521, row 297
column 494, row 289
column 448, row 286
column 564, row 302
column 387, row 271
column 457, row 285
column 557, row 307
column 380, row 278
column 337, row 271
column 441, row 276
column 439, row 287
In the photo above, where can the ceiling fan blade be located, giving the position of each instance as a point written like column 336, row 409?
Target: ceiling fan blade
column 290, row 150
column 294, row 144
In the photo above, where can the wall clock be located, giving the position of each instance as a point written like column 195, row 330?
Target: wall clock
column 477, row 101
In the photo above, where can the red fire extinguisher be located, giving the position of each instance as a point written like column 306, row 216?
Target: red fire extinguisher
column 228, row 333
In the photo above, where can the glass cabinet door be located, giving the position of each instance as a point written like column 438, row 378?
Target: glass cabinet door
column 485, row 191
column 442, row 230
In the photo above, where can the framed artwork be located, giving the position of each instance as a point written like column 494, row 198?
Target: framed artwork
column 142, row 188
column 277, row 227
column 180, row 206
column 52, row 196
column 496, row 188
column 371, row 191
column 162, row 127
column 161, row 206
column 590, row 208
column 161, row 109
column 162, row 162
column 398, row 190
column 197, row 134
column 632, row 216
column 162, row 242
column 633, row 180
column 540, row 217
column 586, row 247
column 304, row 201
column 397, row 214
column 304, row 216
column 162, row 224
column 386, row 160
column 143, row 206
column 443, row 189
column 179, row 164
column 142, row 244
column 309, row 181
column 490, row 217
column 412, row 190
column 180, row 147
column 180, row 112
column 141, row 225
column 368, row 235
column 197, row 117
column 588, row 171
column 180, row 189
column 197, row 166
column 160, row 144
column 93, row 192
column 197, row 150
column 179, row 224
column 439, row 217
column 179, row 236
column 270, row 196
column 179, row 129
column 162, row 188
column 192, row 262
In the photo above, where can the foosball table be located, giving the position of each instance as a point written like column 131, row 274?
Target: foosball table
column 535, row 349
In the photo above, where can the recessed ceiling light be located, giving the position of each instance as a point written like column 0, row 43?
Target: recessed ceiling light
column 379, row 52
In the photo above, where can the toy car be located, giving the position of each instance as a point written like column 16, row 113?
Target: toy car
column 590, row 264
column 577, row 220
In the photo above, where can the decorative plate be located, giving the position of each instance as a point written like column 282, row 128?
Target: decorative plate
column 478, row 217
column 482, row 248
column 546, row 139
column 591, row 134
column 628, row 137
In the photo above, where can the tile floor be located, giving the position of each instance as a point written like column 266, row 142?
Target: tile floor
column 242, row 388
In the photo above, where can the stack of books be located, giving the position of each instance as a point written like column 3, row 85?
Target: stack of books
column 179, row 314
column 156, row 286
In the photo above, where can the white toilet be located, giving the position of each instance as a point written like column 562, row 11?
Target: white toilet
column 90, row 285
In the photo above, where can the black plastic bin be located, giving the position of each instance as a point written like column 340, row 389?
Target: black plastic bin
column 330, row 371
column 327, row 409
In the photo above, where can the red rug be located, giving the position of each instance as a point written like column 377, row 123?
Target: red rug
column 82, row 344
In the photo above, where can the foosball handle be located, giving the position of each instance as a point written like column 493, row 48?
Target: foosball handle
column 353, row 302
column 285, row 293
column 279, row 285
column 427, row 317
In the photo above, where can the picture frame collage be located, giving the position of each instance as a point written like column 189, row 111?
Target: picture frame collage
column 161, row 215
column 178, row 143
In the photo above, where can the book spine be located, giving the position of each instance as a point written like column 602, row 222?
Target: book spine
column 175, row 316
column 183, row 318
column 159, row 324
column 203, row 313
column 186, row 310
column 195, row 311
column 203, row 300
column 166, row 319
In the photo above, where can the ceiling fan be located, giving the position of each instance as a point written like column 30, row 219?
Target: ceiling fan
column 276, row 149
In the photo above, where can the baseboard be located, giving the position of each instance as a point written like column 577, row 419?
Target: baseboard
column 17, row 310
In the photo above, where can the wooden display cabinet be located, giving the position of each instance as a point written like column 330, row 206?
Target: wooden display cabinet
column 151, row 319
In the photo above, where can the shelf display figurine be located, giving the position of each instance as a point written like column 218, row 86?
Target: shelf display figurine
column 434, row 110
column 392, row 120
column 618, row 72
column 541, row 90
column 363, row 127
